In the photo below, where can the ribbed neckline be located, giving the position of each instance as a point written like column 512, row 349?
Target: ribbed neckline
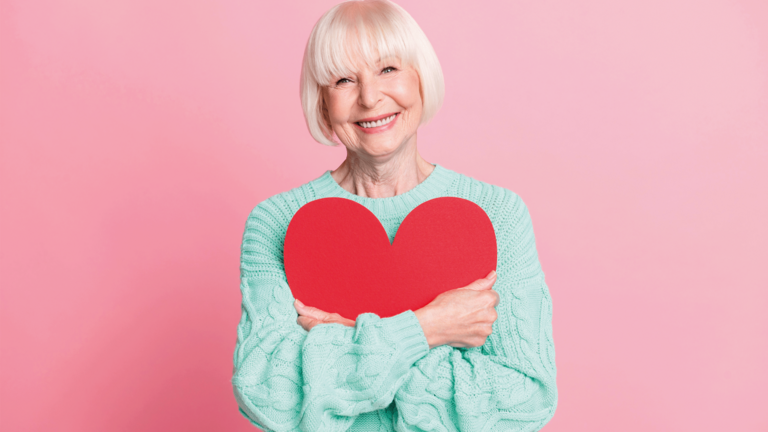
column 432, row 187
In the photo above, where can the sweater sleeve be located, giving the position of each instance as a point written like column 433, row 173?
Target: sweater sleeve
column 508, row 384
column 286, row 378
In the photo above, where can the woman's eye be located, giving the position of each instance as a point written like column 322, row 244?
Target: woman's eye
column 342, row 81
column 388, row 68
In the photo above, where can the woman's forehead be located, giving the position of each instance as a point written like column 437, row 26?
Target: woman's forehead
column 350, row 43
column 355, row 59
column 380, row 61
column 373, row 47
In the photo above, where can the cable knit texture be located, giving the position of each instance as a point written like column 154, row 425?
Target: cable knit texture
column 380, row 375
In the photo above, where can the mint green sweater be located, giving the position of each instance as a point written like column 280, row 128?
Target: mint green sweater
column 381, row 375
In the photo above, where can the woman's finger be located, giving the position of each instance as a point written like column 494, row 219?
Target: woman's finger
column 321, row 315
column 309, row 311
column 484, row 283
column 317, row 315
column 334, row 317
column 306, row 322
column 342, row 320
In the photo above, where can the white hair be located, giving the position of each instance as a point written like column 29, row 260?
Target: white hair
column 364, row 31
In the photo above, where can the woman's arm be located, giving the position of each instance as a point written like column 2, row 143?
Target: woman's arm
column 509, row 382
column 286, row 378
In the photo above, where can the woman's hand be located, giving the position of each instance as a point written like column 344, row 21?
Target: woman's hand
column 461, row 317
column 310, row 317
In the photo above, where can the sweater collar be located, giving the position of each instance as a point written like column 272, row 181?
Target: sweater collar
column 432, row 187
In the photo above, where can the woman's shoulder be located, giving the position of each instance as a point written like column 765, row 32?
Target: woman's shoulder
column 277, row 210
column 502, row 205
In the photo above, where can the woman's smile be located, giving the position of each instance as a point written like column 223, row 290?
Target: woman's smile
column 377, row 124
column 375, row 111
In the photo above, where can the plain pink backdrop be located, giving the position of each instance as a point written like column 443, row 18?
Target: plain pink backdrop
column 137, row 135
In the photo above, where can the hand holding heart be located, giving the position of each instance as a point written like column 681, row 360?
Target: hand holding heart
column 461, row 317
column 338, row 257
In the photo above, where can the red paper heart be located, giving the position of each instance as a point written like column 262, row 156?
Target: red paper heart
column 338, row 257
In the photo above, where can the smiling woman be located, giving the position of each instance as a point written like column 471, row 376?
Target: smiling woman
column 478, row 357
column 362, row 37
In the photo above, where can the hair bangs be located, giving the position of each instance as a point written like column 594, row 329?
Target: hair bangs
column 352, row 40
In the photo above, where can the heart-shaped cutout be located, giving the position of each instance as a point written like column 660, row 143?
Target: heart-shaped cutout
column 338, row 257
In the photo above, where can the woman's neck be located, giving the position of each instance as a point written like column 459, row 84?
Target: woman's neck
column 368, row 177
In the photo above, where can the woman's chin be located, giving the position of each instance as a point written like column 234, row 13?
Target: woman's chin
column 380, row 149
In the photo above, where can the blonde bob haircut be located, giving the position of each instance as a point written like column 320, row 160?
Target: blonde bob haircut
column 364, row 31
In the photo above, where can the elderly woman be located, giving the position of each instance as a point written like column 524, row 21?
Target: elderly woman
column 478, row 357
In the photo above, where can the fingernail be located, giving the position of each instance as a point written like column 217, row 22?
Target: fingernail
column 299, row 303
column 491, row 275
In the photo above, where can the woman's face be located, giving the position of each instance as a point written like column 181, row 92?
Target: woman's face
column 375, row 111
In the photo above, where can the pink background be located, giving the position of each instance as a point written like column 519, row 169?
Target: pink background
column 137, row 135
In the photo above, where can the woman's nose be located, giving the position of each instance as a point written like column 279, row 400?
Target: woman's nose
column 370, row 95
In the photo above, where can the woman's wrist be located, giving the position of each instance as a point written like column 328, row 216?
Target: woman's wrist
column 427, row 327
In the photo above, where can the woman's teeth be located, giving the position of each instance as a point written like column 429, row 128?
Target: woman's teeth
column 377, row 123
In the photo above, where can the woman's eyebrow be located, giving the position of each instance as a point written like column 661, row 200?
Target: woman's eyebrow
column 386, row 59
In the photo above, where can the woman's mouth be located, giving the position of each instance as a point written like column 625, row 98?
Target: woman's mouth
column 379, row 125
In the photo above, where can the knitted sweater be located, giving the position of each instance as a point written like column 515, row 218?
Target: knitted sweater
column 381, row 375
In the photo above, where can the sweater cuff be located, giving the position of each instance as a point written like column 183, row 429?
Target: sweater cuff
column 408, row 336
